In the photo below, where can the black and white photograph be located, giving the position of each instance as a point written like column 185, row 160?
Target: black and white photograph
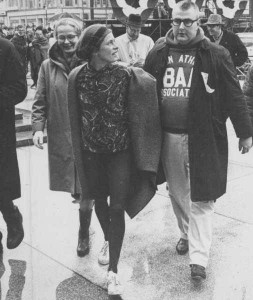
column 126, row 158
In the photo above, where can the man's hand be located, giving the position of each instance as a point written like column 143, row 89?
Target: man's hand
column 245, row 145
column 38, row 139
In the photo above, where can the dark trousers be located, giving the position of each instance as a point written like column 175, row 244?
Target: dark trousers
column 109, row 175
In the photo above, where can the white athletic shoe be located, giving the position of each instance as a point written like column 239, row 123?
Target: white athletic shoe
column 103, row 257
column 113, row 285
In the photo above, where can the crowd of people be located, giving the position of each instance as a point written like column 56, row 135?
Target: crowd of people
column 124, row 115
column 32, row 46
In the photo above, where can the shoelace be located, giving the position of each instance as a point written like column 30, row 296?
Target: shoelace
column 104, row 249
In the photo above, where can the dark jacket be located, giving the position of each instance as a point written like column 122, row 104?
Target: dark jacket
column 145, row 130
column 248, row 91
column 21, row 46
column 13, row 90
column 235, row 46
column 209, row 107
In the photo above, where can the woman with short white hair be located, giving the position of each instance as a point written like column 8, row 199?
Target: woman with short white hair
column 50, row 107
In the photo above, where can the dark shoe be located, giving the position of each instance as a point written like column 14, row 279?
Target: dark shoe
column 13, row 219
column 198, row 272
column 182, row 246
column 83, row 247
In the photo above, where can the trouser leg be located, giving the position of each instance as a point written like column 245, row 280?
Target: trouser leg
column 175, row 162
column 200, row 232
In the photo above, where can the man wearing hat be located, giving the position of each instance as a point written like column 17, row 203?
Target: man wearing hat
column 134, row 46
column 227, row 39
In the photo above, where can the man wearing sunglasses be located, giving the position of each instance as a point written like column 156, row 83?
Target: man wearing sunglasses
column 198, row 90
column 227, row 39
column 134, row 46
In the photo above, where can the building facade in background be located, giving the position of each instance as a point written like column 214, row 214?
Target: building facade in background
column 39, row 12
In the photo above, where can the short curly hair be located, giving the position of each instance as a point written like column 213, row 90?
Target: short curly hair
column 68, row 21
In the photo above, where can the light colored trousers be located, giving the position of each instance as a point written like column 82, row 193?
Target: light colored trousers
column 194, row 218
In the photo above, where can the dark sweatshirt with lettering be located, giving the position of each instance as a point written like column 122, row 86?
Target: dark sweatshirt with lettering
column 177, row 83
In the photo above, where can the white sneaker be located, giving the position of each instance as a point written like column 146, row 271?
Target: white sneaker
column 103, row 256
column 113, row 285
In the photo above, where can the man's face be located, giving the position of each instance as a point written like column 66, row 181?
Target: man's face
column 133, row 32
column 185, row 34
column 21, row 31
column 214, row 30
column 39, row 33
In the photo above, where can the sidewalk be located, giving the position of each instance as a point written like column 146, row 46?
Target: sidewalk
column 45, row 266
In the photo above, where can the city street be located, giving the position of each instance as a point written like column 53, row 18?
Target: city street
column 45, row 266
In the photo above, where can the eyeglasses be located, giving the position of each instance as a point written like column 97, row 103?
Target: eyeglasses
column 134, row 29
column 69, row 37
column 186, row 22
column 212, row 25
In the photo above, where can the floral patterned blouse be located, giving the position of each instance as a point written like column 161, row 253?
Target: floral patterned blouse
column 104, row 113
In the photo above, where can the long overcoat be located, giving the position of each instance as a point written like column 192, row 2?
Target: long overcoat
column 145, row 132
column 50, row 107
column 13, row 90
column 214, row 96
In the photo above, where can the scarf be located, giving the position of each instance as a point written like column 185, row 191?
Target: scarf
column 69, row 63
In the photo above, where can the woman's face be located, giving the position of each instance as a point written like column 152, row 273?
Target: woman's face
column 66, row 38
column 108, row 51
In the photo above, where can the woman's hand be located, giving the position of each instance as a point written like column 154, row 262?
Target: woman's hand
column 38, row 139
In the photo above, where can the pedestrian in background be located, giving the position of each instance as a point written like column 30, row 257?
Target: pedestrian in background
column 198, row 90
column 50, row 106
column 227, row 39
column 38, row 52
column 116, row 137
column 20, row 42
column 134, row 46
column 13, row 89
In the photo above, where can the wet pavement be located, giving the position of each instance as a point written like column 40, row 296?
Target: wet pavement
column 45, row 266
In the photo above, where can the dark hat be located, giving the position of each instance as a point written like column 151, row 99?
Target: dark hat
column 134, row 20
column 214, row 19
column 90, row 40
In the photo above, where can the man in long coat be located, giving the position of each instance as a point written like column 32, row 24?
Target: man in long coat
column 198, row 91
column 13, row 90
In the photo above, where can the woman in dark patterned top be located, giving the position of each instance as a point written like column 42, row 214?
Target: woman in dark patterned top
column 100, row 119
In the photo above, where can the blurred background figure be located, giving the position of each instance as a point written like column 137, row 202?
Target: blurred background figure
column 21, row 45
column 50, row 107
column 38, row 52
column 134, row 46
column 227, row 39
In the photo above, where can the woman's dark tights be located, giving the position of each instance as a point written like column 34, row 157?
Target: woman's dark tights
column 109, row 174
column 112, row 222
